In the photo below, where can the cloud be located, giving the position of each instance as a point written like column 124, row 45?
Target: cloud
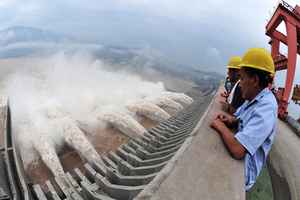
column 180, row 29
column 5, row 3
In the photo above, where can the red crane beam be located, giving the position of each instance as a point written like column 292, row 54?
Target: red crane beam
column 291, row 17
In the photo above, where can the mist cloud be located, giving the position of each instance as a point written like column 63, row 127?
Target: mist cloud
column 74, row 86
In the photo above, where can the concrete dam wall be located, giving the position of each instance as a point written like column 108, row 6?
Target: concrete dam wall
column 180, row 158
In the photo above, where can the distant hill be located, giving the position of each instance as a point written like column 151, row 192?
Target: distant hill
column 144, row 60
column 23, row 34
column 22, row 41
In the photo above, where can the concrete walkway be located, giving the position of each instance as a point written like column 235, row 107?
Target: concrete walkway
column 204, row 170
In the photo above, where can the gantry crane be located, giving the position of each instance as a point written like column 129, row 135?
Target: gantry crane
column 291, row 17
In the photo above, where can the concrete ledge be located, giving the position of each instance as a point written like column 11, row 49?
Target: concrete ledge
column 284, row 164
column 200, row 169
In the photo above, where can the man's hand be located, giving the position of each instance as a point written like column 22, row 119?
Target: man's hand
column 229, row 120
column 236, row 149
column 218, row 125
column 224, row 94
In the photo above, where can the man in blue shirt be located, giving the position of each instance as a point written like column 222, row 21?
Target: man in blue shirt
column 256, row 119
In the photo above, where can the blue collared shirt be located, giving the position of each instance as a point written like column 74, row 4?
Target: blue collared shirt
column 256, row 131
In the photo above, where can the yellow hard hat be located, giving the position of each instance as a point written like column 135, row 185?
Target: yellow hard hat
column 234, row 62
column 258, row 58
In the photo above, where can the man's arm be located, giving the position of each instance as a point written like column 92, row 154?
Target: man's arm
column 236, row 150
column 228, row 119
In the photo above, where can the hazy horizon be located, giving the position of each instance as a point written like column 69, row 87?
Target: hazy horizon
column 197, row 33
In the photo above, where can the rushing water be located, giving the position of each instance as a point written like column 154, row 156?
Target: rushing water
column 53, row 99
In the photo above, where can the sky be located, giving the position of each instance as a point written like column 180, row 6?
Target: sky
column 193, row 32
column 202, row 34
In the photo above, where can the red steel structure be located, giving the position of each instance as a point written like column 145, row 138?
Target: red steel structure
column 291, row 17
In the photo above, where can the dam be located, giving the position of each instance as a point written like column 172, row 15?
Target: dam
column 166, row 151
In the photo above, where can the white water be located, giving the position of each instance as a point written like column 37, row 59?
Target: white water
column 54, row 96
column 72, row 135
column 124, row 122
column 149, row 110
column 167, row 104
column 78, row 85
column 179, row 97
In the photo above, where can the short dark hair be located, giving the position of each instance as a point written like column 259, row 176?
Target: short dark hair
column 235, row 74
column 264, row 77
